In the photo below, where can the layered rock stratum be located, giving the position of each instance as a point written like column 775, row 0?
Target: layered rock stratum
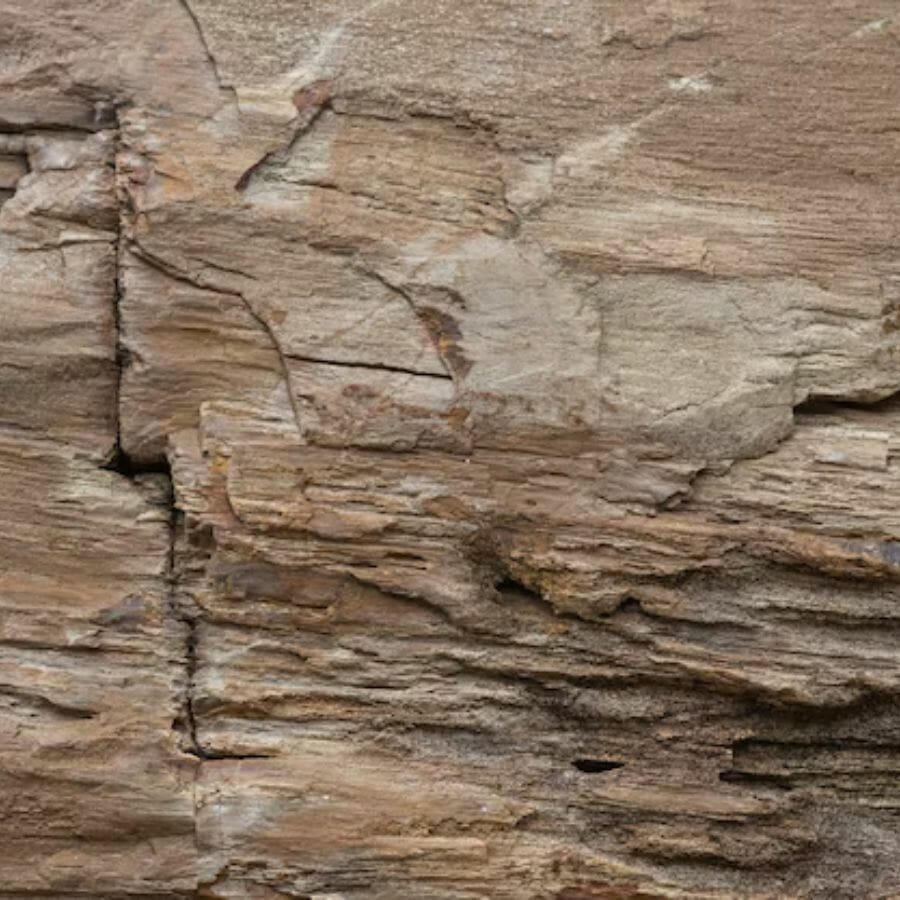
column 449, row 449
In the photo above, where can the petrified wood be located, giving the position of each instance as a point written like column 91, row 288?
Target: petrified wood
column 449, row 450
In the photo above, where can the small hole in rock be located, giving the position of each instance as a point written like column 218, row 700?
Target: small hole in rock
column 597, row 765
column 630, row 605
column 511, row 586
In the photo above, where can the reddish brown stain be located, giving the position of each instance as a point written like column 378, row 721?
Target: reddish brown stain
column 446, row 334
column 312, row 96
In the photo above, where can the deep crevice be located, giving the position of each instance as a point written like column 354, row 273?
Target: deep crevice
column 188, row 716
column 185, row 615
column 217, row 755
column 130, row 468
column 518, row 596
column 824, row 405
column 596, row 766
column 122, row 463
column 190, row 673
column 184, row 610
column 510, row 590
column 119, row 461
column 749, row 779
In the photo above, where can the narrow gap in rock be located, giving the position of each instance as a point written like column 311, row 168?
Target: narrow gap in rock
column 517, row 597
column 814, row 406
column 184, row 611
column 510, row 586
column 125, row 465
column 820, row 406
column 732, row 776
column 121, row 463
column 214, row 755
column 521, row 599
column 190, row 665
column 597, row 766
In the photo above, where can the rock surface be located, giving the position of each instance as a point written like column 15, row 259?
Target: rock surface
column 449, row 449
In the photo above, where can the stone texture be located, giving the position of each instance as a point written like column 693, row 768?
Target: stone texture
column 449, row 450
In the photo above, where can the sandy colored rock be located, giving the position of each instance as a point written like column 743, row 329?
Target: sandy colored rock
column 449, row 450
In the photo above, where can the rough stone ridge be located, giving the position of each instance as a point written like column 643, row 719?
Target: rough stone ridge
column 449, row 449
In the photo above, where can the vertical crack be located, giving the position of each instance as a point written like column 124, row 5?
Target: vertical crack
column 183, row 610
column 117, row 461
column 179, row 609
column 190, row 655
column 201, row 37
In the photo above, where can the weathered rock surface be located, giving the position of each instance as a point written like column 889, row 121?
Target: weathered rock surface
column 449, row 450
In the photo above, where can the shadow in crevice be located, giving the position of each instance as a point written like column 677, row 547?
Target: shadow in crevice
column 123, row 464
column 597, row 766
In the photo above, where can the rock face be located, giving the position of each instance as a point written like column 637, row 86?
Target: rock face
column 449, row 450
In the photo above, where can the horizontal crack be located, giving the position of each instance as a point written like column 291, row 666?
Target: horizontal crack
column 378, row 367
column 407, row 298
column 823, row 404
column 63, row 710
column 213, row 755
